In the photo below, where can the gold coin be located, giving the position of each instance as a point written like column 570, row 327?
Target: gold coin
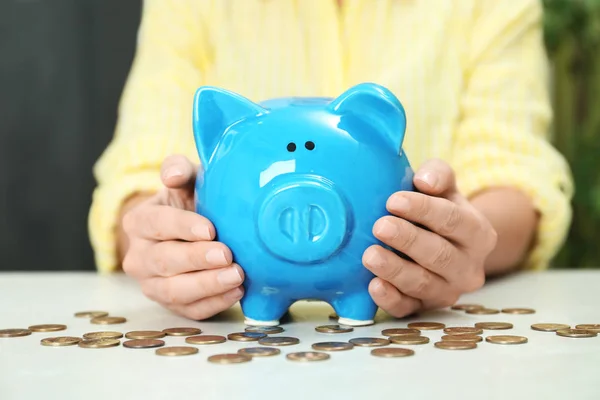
column 175, row 351
column 455, row 345
column 108, row 320
column 332, row 346
column 482, row 311
column 103, row 335
column 494, row 325
column 589, row 327
column 308, row 356
column 462, row 338
column 389, row 352
column 6, row 333
column 229, row 358
column 267, row 330
column 278, row 341
column 369, row 342
column 246, row 336
column 47, row 328
column 143, row 343
column 518, row 310
column 205, row 339
column 549, row 327
column 400, row 332
column 182, row 331
column 409, row 339
column 334, row 329
column 145, row 335
column 463, row 330
column 259, row 351
column 98, row 343
column 465, row 307
column 60, row 341
column 91, row 314
column 426, row 326
column 506, row 339
column 576, row 333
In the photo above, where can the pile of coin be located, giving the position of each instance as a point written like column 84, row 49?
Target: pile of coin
column 453, row 338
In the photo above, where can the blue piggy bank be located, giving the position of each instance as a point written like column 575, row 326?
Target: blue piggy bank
column 293, row 187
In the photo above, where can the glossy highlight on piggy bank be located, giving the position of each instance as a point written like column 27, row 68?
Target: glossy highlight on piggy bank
column 293, row 187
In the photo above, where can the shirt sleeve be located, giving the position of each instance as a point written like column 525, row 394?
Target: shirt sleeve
column 502, row 136
column 154, row 116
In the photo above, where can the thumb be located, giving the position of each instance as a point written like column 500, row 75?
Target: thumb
column 436, row 178
column 177, row 171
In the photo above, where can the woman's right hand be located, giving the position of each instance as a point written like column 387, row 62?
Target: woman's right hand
column 171, row 249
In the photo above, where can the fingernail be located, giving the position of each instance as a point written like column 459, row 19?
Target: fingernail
column 374, row 259
column 234, row 294
column 172, row 172
column 399, row 203
column 216, row 257
column 379, row 288
column 386, row 229
column 428, row 177
column 201, row 231
column 229, row 277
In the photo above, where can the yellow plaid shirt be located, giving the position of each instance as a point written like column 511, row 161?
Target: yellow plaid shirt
column 471, row 74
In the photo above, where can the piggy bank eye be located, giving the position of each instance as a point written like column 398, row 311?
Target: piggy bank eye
column 309, row 145
column 291, row 147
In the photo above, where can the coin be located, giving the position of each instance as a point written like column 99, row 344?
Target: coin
column 455, row 345
column 6, row 333
column 369, row 342
column 98, row 343
column 576, row 333
column 518, row 310
column 60, row 341
column 279, row 341
column 229, row 358
column 400, row 332
column 409, row 339
column 426, row 326
column 494, row 325
column 462, row 338
column 182, row 331
column 506, row 339
column 483, row 311
column 264, row 329
column 259, row 351
column 463, row 330
column 465, row 307
column 549, row 327
column 334, row 329
column 332, row 346
column 47, row 328
column 145, row 335
column 333, row 316
column 205, row 339
column 175, row 351
column 589, row 327
column 108, row 320
column 90, row 314
column 246, row 336
column 143, row 343
column 103, row 335
column 389, row 352
column 308, row 356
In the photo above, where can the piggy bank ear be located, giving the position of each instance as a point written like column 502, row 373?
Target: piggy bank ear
column 378, row 107
column 214, row 111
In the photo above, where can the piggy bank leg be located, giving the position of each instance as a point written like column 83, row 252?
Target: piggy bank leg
column 263, row 310
column 355, row 309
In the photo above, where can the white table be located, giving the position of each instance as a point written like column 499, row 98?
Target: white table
column 548, row 367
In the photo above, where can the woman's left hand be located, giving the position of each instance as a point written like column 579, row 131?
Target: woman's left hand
column 448, row 259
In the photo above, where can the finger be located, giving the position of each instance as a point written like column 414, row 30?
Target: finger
column 193, row 286
column 172, row 258
column 208, row 307
column 389, row 299
column 408, row 277
column 435, row 177
column 427, row 249
column 177, row 171
column 439, row 215
column 161, row 222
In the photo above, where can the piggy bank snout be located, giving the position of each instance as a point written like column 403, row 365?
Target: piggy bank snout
column 302, row 219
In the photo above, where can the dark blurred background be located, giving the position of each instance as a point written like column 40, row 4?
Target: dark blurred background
column 63, row 64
